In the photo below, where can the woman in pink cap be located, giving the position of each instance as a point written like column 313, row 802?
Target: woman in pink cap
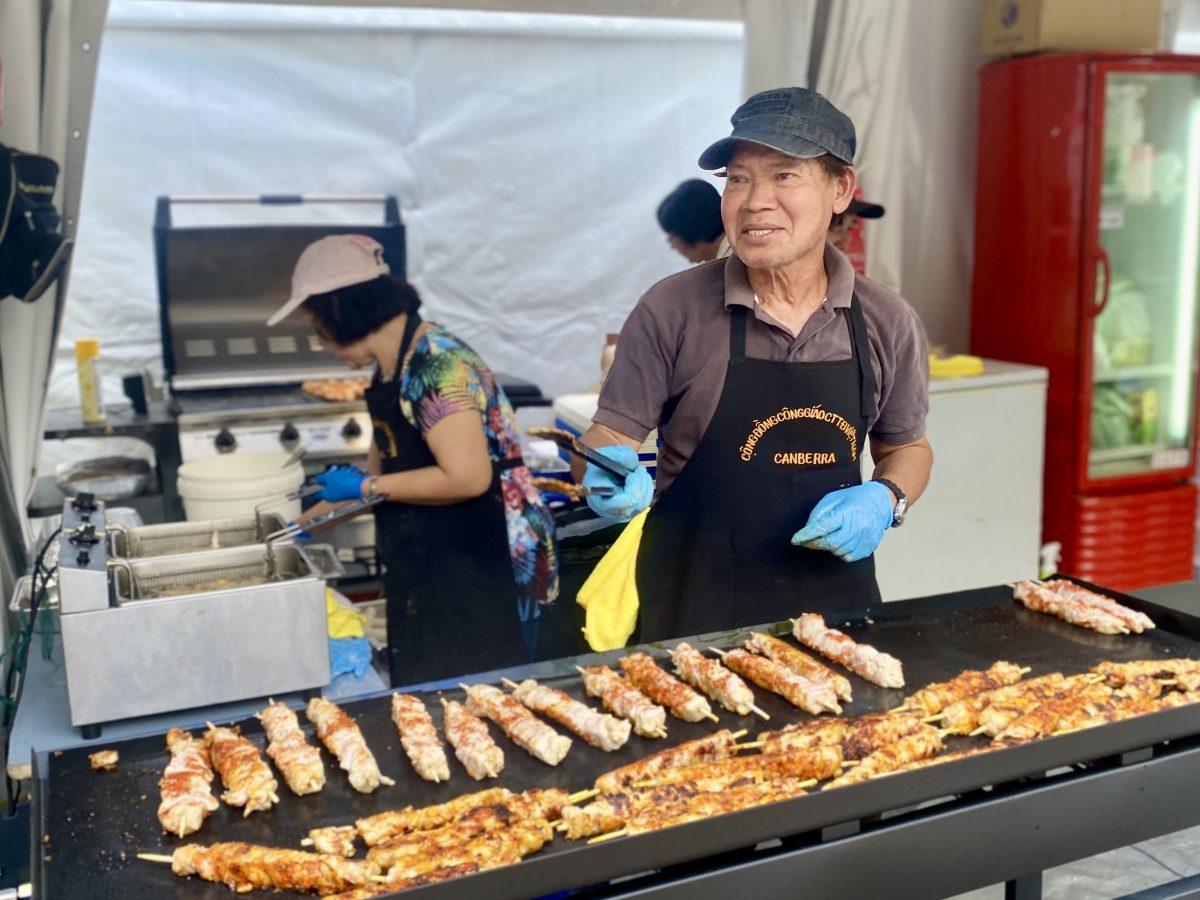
column 466, row 541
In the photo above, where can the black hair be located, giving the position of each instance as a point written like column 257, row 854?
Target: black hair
column 692, row 212
column 833, row 167
column 347, row 315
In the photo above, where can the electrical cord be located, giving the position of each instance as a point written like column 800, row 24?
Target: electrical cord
column 18, row 646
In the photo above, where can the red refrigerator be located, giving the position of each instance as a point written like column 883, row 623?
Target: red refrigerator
column 1087, row 262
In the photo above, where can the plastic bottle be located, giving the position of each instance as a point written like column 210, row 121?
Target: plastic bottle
column 91, row 402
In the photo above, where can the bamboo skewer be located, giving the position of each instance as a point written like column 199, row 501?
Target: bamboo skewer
column 580, row 796
column 156, row 857
column 711, row 716
column 608, row 837
column 741, row 733
column 758, row 712
column 752, row 745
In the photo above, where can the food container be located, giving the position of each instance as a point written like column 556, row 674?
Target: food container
column 108, row 478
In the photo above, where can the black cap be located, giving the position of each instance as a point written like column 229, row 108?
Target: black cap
column 795, row 121
column 865, row 210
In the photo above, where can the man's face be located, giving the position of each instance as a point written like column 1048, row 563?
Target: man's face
column 776, row 209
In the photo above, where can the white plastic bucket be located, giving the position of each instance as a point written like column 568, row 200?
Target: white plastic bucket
column 233, row 484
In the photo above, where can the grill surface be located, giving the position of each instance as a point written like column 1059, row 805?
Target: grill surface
column 91, row 819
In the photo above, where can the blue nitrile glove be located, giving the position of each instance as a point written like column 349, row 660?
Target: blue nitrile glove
column 849, row 523
column 341, row 483
column 349, row 655
column 630, row 498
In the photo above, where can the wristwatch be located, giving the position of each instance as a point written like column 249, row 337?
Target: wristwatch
column 901, row 501
column 371, row 483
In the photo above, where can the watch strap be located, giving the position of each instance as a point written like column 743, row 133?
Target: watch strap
column 901, row 500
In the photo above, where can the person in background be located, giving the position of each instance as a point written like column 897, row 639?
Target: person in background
column 465, row 539
column 766, row 374
column 842, row 226
column 691, row 217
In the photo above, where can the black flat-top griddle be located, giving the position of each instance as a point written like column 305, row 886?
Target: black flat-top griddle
column 88, row 825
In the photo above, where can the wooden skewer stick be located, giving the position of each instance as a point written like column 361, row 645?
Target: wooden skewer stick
column 306, row 842
column 751, row 745
column 1025, row 670
column 640, row 785
column 759, row 712
column 509, row 683
column 741, row 733
column 719, row 651
column 580, row 796
column 579, row 669
column 711, row 716
column 379, row 879
column 978, row 731
column 1168, row 682
column 156, row 857
column 608, row 837
column 946, row 732
column 850, row 763
column 557, row 824
column 936, row 718
column 806, row 783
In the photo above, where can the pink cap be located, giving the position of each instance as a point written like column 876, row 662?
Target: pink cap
column 333, row 262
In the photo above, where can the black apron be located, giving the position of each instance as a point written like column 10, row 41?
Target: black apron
column 448, row 576
column 716, row 549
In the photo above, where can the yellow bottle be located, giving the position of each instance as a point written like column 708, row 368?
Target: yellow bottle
column 91, row 402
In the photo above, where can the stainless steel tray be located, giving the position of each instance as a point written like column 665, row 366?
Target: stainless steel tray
column 191, row 537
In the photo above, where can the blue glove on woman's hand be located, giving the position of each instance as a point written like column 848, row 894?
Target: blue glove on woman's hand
column 848, row 523
column 341, row 483
column 631, row 497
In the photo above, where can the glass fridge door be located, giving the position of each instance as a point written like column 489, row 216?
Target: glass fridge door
column 1144, row 359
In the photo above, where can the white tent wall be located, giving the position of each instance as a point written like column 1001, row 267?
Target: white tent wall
column 528, row 153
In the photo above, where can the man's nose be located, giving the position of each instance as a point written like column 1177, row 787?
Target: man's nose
column 761, row 194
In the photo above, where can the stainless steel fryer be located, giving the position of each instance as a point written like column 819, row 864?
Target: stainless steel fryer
column 191, row 629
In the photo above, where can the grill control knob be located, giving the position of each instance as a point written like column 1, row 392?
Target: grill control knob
column 289, row 434
column 225, row 441
column 351, row 429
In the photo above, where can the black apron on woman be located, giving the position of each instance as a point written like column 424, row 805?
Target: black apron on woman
column 448, row 576
column 716, row 548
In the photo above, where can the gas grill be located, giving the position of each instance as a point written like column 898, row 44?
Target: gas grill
column 939, row 830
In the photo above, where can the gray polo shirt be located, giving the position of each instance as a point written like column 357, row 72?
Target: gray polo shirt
column 674, row 349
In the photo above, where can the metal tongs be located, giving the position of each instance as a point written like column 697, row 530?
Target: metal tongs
column 316, row 523
column 567, row 441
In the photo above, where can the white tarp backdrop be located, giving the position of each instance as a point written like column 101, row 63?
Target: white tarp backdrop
column 528, row 153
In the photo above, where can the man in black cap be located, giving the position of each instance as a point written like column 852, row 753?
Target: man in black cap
column 765, row 374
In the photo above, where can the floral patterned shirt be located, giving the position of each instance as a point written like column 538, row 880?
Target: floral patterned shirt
column 441, row 375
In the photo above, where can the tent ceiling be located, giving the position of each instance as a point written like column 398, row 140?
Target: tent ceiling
column 672, row 9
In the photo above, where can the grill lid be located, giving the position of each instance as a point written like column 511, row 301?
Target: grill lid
column 218, row 285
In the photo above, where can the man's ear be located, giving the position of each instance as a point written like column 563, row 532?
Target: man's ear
column 846, row 183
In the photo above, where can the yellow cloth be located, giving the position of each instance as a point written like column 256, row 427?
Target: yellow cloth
column 343, row 622
column 954, row 366
column 610, row 594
